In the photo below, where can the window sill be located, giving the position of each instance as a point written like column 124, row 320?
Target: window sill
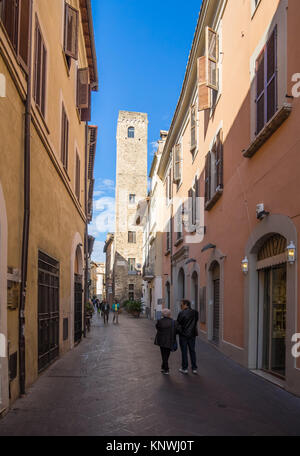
column 214, row 199
column 178, row 242
column 66, row 172
column 255, row 9
column 42, row 118
column 194, row 155
column 66, row 62
column 274, row 123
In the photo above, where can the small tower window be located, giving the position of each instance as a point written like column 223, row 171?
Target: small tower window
column 131, row 132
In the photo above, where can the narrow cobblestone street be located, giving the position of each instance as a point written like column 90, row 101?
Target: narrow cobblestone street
column 111, row 385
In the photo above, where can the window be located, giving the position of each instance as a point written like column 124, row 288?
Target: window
column 14, row 15
column 169, row 231
column 193, row 130
column 131, row 264
column 177, row 163
column 71, row 32
column 84, row 94
column 64, row 138
column 132, row 237
column 131, row 132
column 207, row 68
column 132, row 198
column 214, row 172
column 40, row 66
column 77, row 177
column 168, row 184
column 192, row 205
column 131, row 292
column 179, row 221
column 266, row 83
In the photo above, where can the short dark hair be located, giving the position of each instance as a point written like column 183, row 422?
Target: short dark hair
column 186, row 302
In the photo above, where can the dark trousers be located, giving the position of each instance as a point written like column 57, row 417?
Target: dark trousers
column 185, row 344
column 165, row 354
column 106, row 316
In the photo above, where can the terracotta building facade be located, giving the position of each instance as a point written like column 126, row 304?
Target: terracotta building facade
column 230, row 168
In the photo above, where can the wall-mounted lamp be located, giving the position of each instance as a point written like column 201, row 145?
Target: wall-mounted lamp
column 245, row 265
column 291, row 250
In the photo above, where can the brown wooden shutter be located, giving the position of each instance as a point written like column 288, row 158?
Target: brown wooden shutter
column 10, row 19
column 86, row 113
column 211, row 55
column 64, row 138
column 23, row 39
column 208, row 177
column 190, row 210
column 203, row 90
column 170, row 183
column 77, row 177
column 83, row 88
column 71, row 32
column 43, row 79
column 260, row 92
column 272, row 75
column 219, row 160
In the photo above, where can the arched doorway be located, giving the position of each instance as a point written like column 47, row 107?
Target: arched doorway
column 194, row 291
column 168, row 296
column 215, row 273
column 272, row 271
column 78, row 294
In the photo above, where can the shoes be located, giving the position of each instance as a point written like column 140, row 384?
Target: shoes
column 195, row 371
column 165, row 372
column 183, row 371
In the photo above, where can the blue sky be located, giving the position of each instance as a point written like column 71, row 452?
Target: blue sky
column 142, row 50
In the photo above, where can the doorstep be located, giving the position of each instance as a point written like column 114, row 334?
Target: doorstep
column 269, row 377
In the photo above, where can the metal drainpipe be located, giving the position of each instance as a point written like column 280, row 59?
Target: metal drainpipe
column 86, row 287
column 26, row 221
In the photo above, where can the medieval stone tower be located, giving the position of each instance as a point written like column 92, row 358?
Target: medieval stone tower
column 131, row 188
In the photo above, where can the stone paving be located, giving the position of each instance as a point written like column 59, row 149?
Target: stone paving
column 111, row 385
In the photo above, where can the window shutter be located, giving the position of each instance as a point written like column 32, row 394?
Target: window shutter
column 170, row 184
column 197, row 203
column 208, row 177
column 190, row 210
column 211, row 55
column 10, row 20
column 77, row 178
column 177, row 162
column 71, row 32
column 23, row 44
column 219, row 160
column 260, row 92
column 203, row 90
column 85, row 113
column 83, row 88
column 44, row 72
column 193, row 127
column 64, row 138
column 272, row 75
column 37, row 66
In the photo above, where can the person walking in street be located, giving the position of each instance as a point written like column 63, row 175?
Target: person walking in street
column 188, row 321
column 116, row 309
column 105, row 310
column 167, row 329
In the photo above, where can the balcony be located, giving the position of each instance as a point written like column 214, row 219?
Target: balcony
column 148, row 273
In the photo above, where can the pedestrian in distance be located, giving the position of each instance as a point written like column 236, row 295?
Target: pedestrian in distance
column 105, row 311
column 116, row 309
column 167, row 328
column 188, row 321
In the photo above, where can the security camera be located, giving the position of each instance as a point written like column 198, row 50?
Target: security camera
column 260, row 211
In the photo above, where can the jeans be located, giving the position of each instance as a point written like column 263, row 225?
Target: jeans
column 165, row 353
column 186, row 343
column 116, row 317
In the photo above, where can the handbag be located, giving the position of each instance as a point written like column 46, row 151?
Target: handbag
column 175, row 346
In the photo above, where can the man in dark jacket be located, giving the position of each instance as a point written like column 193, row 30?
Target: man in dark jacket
column 166, row 338
column 188, row 320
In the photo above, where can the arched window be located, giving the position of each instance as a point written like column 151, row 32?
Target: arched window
column 131, row 132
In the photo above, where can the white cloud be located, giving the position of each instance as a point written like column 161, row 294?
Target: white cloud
column 98, row 255
column 104, row 185
column 104, row 216
column 154, row 146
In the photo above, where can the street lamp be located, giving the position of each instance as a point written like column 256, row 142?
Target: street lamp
column 291, row 250
column 245, row 265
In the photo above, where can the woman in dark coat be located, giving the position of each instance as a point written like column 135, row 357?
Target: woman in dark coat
column 167, row 328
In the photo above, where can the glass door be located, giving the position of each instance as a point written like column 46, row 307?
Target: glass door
column 274, row 320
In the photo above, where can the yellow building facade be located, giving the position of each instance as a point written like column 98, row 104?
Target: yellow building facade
column 47, row 152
